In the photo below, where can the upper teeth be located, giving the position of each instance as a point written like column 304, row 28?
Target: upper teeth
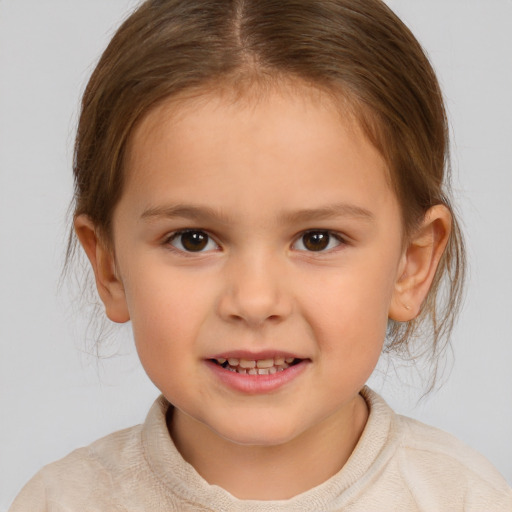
column 257, row 366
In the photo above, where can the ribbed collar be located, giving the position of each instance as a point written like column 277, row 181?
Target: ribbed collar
column 375, row 447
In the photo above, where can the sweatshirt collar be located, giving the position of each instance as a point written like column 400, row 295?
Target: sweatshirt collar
column 373, row 450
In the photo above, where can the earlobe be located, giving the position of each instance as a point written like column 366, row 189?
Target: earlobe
column 110, row 287
column 419, row 264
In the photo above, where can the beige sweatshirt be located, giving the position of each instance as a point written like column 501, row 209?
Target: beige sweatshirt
column 398, row 465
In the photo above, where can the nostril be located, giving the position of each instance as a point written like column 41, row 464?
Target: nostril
column 255, row 320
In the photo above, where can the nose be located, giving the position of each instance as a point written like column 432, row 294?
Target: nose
column 254, row 292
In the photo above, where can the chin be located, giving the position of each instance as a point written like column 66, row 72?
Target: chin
column 260, row 432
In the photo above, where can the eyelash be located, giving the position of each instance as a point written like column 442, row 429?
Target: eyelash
column 331, row 235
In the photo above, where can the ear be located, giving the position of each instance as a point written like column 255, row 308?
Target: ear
column 109, row 285
column 419, row 263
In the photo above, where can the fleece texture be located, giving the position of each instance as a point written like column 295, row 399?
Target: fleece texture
column 399, row 464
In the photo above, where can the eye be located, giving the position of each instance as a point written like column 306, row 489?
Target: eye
column 317, row 241
column 192, row 241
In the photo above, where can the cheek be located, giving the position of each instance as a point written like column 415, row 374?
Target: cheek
column 353, row 303
column 165, row 329
column 349, row 317
column 167, row 311
column 172, row 311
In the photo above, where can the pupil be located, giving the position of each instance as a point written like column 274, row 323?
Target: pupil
column 316, row 240
column 194, row 240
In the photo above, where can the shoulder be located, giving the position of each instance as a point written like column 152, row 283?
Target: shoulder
column 87, row 475
column 114, row 473
column 424, row 468
column 425, row 443
column 434, row 461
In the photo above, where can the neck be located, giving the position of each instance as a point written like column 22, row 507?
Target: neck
column 274, row 472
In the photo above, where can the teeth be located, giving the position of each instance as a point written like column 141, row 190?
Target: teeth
column 256, row 367
column 246, row 363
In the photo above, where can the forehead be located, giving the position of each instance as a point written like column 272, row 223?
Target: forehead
column 240, row 101
column 250, row 146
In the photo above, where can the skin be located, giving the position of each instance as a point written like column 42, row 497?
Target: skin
column 254, row 175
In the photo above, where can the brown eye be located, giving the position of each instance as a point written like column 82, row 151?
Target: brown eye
column 317, row 241
column 192, row 241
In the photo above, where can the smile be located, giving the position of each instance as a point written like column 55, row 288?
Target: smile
column 255, row 374
column 267, row 366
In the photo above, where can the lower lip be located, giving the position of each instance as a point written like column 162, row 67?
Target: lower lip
column 256, row 384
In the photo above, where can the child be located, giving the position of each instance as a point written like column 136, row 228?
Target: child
column 260, row 191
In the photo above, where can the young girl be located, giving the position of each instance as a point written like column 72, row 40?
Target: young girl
column 260, row 190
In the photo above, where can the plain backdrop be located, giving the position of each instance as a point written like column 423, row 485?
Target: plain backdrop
column 54, row 396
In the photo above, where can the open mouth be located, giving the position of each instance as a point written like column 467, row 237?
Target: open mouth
column 257, row 366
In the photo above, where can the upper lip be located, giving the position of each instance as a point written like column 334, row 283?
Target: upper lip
column 255, row 356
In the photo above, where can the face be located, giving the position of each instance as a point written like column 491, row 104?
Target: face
column 258, row 243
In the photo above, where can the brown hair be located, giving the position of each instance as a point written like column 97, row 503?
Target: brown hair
column 357, row 49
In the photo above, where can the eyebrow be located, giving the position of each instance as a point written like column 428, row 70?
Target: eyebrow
column 329, row 212
column 201, row 213
column 184, row 211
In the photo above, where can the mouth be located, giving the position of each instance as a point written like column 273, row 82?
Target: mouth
column 257, row 373
column 267, row 366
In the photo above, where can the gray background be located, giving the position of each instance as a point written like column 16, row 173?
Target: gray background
column 55, row 397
